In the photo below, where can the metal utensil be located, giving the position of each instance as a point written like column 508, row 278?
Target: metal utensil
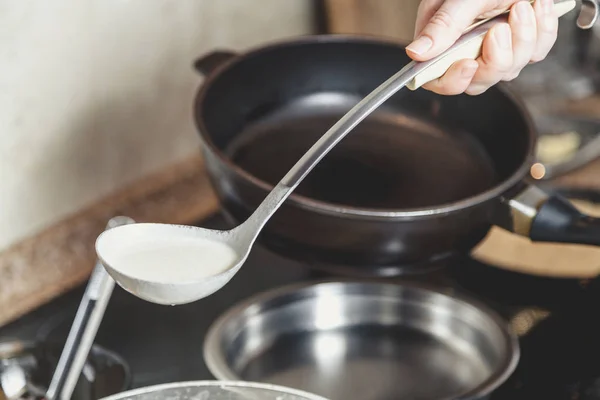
column 214, row 390
column 84, row 328
column 241, row 239
column 13, row 382
column 364, row 340
column 588, row 14
column 104, row 373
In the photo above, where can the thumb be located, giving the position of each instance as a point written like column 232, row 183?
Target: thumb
column 448, row 23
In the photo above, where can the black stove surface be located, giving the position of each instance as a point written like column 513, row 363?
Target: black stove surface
column 557, row 319
column 558, row 325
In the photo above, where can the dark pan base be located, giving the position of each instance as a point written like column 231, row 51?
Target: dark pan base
column 309, row 259
column 274, row 244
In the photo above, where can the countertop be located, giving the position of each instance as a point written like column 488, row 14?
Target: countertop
column 61, row 257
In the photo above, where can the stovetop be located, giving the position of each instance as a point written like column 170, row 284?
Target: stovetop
column 558, row 321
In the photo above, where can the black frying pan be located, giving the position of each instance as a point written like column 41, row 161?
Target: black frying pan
column 419, row 181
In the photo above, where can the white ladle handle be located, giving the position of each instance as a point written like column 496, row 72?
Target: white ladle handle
column 413, row 75
column 85, row 326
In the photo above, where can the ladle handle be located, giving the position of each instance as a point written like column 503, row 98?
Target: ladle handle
column 83, row 331
column 471, row 48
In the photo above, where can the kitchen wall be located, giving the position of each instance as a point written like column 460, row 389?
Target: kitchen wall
column 96, row 94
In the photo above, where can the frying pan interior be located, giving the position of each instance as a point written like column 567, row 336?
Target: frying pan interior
column 418, row 150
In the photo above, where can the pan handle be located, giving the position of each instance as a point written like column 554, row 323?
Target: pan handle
column 210, row 62
column 552, row 218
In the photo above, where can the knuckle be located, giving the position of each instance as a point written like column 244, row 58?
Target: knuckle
column 439, row 89
column 453, row 91
column 426, row 5
column 549, row 34
column 501, row 66
column 526, row 35
column 549, row 28
column 443, row 88
column 511, row 76
column 443, row 19
column 475, row 90
column 430, row 86
column 538, row 58
column 505, row 68
column 494, row 8
column 547, row 22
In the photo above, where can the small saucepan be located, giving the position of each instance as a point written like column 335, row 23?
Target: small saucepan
column 361, row 340
column 421, row 180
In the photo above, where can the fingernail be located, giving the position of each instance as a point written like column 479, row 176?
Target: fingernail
column 469, row 70
column 547, row 6
column 502, row 36
column 524, row 13
column 420, row 46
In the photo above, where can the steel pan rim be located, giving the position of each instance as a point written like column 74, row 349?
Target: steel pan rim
column 10, row 348
column 220, row 369
column 327, row 208
column 217, row 384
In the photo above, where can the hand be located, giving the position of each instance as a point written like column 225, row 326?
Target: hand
column 507, row 48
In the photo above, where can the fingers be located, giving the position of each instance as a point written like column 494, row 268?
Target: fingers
column 528, row 37
column 547, row 28
column 447, row 23
column 524, row 37
column 496, row 59
column 427, row 8
column 456, row 80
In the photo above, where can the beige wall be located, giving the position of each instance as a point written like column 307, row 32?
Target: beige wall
column 94, row 94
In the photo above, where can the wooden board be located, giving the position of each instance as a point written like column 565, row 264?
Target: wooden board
column 54, row 261
column 390, row 18
column 519, row 254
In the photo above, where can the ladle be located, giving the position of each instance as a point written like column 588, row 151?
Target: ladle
column 114, row 243
column 13, row 383
column 83, row 331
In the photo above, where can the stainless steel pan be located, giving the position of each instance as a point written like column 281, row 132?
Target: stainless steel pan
column 211, row 390
column 364, row 341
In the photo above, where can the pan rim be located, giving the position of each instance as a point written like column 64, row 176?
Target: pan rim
column 213, row 383
column 332, row 209
column 219, row 368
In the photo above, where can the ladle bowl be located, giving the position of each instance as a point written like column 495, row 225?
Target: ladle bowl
column 110, row 244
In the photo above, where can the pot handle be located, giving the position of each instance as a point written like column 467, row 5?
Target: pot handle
column 552, row 218
column 208, row 63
